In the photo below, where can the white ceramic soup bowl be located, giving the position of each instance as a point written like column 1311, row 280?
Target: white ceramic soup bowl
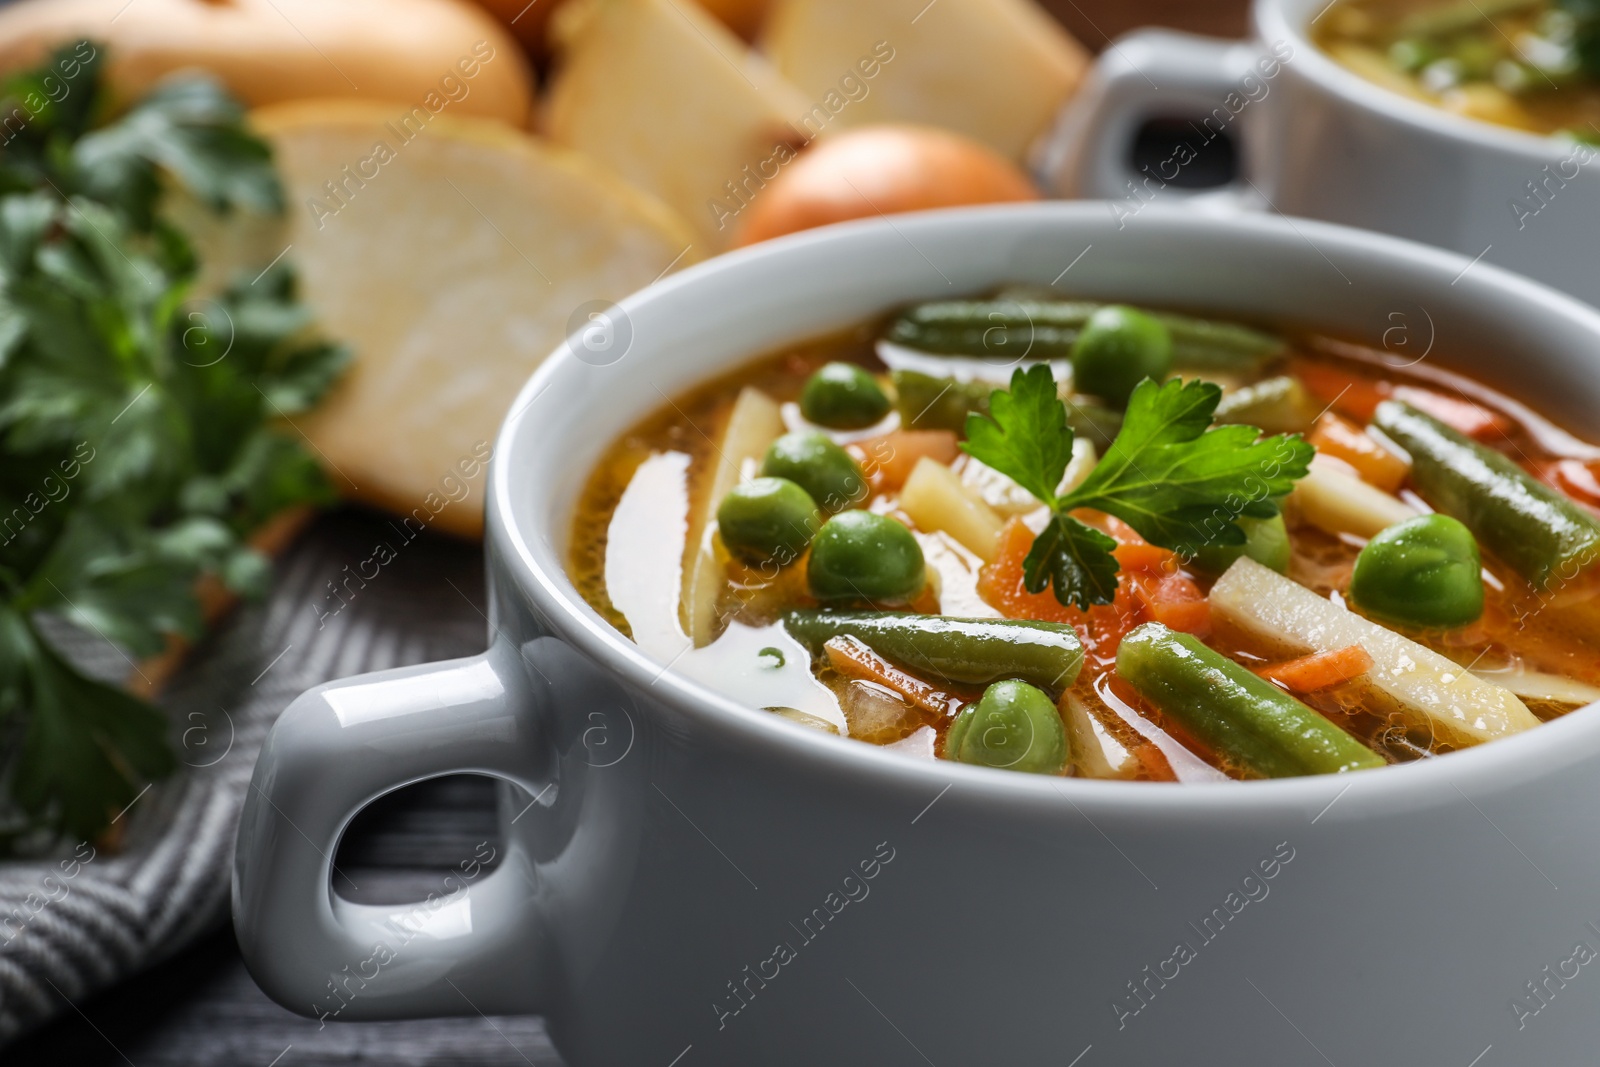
column 1322, row 142
column 687, row 881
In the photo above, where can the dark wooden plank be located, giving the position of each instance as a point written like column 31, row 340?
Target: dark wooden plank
column 1097, row 22
column 428, row 827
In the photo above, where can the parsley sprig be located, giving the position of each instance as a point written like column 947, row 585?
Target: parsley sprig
column 140, row 427
column 1176, row 479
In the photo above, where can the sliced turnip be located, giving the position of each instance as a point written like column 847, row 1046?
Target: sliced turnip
column 1417, row 685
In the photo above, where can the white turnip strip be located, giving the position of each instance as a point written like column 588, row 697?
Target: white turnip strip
column 1095, row 752
column 1338, row 503
column 1545, row 688
column 753, row 425
column 644, row 553
column 935, row 499
column 757, row 666
column 1283, row 618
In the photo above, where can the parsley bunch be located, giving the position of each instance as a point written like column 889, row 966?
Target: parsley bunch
column 1176, row 479
column 139, row 435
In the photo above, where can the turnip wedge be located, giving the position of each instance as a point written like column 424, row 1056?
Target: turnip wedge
column 754, row 423
column 1416, row 685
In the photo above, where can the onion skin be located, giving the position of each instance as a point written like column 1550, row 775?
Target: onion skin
column 880, row 170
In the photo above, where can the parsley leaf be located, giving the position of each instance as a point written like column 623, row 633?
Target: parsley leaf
column 85, row 743
column 1183, row 483
column 1179, row 481
column 1025, row 435
column 192, row 129
column 141, row 430
column 1075, row 558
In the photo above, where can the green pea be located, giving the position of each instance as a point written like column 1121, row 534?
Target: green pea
column 861, row 556
column 842, row 396
column 1119, row 348
column 1412, row 53
column 1013, row 726
column 767, row 519
column 1421, row 572
column 812, row 460
column 1265, row 540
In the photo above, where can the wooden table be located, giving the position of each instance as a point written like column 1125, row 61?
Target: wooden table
column 1095, row 22
column 201, row 1009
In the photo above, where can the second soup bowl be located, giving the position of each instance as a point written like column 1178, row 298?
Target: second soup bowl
column 686, row 881
column 1320, row 141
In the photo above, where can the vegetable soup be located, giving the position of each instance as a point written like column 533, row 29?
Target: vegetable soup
column 1530, row 64
column 1069, row 538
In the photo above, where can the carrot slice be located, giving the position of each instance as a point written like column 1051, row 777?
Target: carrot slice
column 1578, row 479
column 1144, row 557
column 1001, row 586
column 1121, row 531
column 853, row 658
column 1108, row 624
column 1352, row 394
column 1377, row 466
column 1190, row 616
column 887, row 460
column 1150, row 587
column 1458, row 413
column 1174, row 601
column 1357, row 396
column 1319, row 670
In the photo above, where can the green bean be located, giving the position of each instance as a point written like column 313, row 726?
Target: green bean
column 1532, row 528
column 1242, row 717
column 1265, row 540
column 926, row 402
column 941, row 648
column 1272, row 405
column 1047, row 329
column 1422, row 572
column 1013, row 329
column 1208, row 345
column 1014, row 726
column 1094, row 421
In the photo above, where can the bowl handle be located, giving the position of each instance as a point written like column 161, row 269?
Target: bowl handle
column 1147, row 74
column 467, row 948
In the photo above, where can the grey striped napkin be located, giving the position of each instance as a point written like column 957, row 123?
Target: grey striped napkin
column 85, row 919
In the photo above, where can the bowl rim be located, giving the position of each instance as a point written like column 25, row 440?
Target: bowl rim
column 545, row 585
column 1272, row 21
